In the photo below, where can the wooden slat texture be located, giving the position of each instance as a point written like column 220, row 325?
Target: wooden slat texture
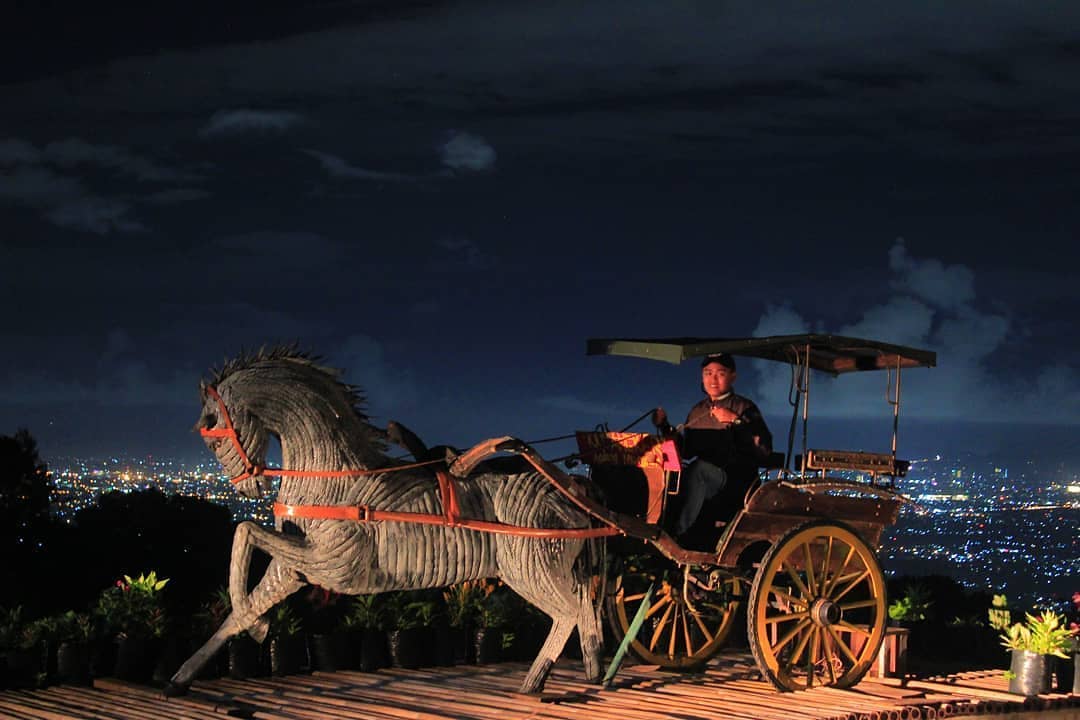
column 729, row 688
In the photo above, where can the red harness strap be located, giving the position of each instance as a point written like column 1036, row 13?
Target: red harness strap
column 451, row 516
column 362, row 513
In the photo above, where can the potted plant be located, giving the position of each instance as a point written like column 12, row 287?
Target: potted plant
column 20, row 656
column 132, row 617
column 911, row 607
column 1068, row 671
column 329, row 645
column 463, row 605
column 1033, row 643
column 287, row 646
column 493, row 635
column 365, row 624
column 413, row 617
column 205, row 622
column 71, row 632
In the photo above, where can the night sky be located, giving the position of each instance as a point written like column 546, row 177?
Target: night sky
column 447, row 199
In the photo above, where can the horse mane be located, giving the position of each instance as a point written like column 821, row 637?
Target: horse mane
column 292, row 353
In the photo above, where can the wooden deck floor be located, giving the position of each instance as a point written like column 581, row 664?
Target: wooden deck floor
column 730, row 688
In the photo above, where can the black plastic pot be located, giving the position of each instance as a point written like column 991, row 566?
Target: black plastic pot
column 102, row 658
column 528, row 639
column 410, row 648
column 288, row 655
column 136, row 658
column 245, row 658
column 373, row 651
column 73, row 663
column 1031, row 673
column 330, row 652
column 25, row 666
column 172, row 652
column 452, row 646
column 1067, row 675
column 487, row 645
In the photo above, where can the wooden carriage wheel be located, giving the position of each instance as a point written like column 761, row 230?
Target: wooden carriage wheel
column 679, row 632
column 817, row 608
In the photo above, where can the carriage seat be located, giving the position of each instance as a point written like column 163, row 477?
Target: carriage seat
column 631, row 468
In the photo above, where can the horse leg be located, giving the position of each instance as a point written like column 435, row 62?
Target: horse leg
column 247, row 537
column 591, row 636
column 276, row 584
column 549, row 653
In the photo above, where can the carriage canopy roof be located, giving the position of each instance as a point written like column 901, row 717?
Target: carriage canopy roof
column 833, row 354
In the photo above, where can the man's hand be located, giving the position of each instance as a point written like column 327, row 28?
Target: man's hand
column 723, row 415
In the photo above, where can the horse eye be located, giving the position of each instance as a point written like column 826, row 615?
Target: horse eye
column 209, row 421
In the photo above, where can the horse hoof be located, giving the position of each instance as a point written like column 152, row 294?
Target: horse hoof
column 174, row 690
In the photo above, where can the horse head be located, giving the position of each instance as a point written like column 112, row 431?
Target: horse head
column 284, row 394
column 237, row 437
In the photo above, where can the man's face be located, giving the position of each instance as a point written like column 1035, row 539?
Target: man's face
column 717, row 380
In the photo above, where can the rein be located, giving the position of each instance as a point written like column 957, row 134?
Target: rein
column 362, row 513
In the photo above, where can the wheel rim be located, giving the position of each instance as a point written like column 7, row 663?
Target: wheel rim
column 817, row 610
column 679, row 632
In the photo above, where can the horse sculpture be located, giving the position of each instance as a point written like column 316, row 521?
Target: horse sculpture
column 321, row 428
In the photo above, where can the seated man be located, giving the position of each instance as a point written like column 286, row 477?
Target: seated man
column 732, row 460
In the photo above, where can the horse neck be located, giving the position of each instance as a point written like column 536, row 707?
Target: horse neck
column 313, row 441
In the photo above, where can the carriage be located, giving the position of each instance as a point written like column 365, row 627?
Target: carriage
column 797, row 553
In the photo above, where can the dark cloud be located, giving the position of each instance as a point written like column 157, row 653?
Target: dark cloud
column 337, row 167
column 931, row 305
column 58, row 181
column 456, row 254
column 588, row 408
column 467, row 152
column 176, row 196
column 237, row 122
column 76, row 153
column 461, row 153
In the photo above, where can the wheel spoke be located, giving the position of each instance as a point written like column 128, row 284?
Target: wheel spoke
column 701, row 625
column 811, row 581
column 854, row 628
column 796, row 579
column 632, row 598
column 784, row 618
column 686, row 634
column 850, row 586
column 674, row 629
column 825, row 567
column 826, row 641
column 789, row 635
column 788, row 598
column 840, row 572
column 843, row 647
column 812, row 658
column 664, row 600
column 660, row 628
column 794, row 659
column 859, row 604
